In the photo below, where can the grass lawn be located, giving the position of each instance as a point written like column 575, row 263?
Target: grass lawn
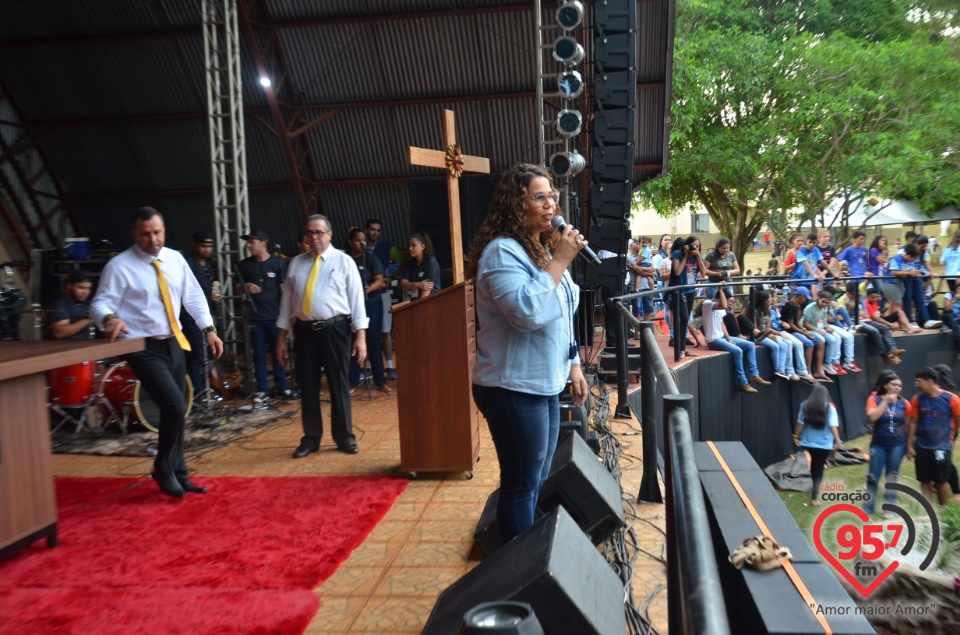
column 853, row 478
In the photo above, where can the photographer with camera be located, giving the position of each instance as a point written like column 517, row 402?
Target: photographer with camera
column 685, row 260
column 371, row 273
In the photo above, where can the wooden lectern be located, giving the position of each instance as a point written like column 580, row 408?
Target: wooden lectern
column 28, row 503
column 436, row 348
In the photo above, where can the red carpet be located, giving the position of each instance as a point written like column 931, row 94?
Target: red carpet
column 242, row 559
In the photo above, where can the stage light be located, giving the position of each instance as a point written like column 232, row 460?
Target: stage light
column 501, row 618
column 567, row 50
column 265, row 82
column 565, row 164
column 569, row 122
column 570, row 14
column 570, row 84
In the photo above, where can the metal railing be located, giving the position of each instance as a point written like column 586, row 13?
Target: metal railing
column 695, row 601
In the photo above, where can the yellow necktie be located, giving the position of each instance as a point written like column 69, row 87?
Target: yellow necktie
column 168, row 305
column 308, row 290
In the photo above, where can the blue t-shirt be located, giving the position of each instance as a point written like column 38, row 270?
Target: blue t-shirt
column 899, row 263
column 678, row 280
column 951, row 258
column 935, row 420
column 804, row 254
column 890, row 429
column 821, row 439
column 856, row 259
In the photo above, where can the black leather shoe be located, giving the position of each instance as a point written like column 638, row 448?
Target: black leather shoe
column 190, row 486
column 350, row 447
column 168, row 484
column 303, row 450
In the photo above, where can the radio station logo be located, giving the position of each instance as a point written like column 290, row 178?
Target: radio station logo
column 866, row 544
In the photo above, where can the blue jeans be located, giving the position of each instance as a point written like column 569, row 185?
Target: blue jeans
column 881, row 458
column 843, row 316
column 779, row 354
column 831, row 355
column 263, row 339
column 796, row 363
column 712, row 292
column 913, row 295
column 738, row 349
column 524, row 428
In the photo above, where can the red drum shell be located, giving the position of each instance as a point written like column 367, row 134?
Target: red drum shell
column 72, row 386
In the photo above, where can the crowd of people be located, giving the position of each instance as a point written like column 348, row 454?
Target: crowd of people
column 808, row 315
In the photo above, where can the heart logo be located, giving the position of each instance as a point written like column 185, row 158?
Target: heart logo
column 862, row 515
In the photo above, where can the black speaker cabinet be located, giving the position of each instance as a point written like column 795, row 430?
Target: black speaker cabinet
column 580, row 483
column 553, row 567
column 487, row 534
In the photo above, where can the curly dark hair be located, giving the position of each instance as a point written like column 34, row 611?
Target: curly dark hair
column 424, row 240
column 508, row 217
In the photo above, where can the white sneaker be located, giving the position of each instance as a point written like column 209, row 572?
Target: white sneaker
column 782, row 375
column 259, row 397
column 932, row 324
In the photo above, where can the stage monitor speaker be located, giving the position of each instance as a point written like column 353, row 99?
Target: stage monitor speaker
column 553, row 567
column 573, row 420
column 487, row 534
column 582, row 485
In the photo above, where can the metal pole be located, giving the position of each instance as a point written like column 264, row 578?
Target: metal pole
column 649, row 487
column 678, row 337
column 704, row 610
column 623, row 379
column 674, row 599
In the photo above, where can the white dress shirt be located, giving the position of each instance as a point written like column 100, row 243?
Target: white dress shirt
column 337, row 291
column 128, row 288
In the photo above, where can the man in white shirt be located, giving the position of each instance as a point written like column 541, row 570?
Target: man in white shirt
column 322, row 304
column 131, row 302
column 719, row 339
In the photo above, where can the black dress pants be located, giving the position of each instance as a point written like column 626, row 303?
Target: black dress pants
column 328, row 348
column 162, row 371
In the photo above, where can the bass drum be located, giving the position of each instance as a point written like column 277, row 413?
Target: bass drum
column 122, row 391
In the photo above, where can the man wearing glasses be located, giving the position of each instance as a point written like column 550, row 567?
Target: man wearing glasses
column 323, row 305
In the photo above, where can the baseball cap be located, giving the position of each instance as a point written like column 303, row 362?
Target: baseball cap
column 202, row 237
column 805, row 292
column 256, row 233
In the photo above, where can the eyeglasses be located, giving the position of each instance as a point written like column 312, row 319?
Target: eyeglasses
column 541, row 199
column 315, row 232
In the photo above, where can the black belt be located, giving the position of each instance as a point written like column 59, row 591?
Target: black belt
column 319, row 325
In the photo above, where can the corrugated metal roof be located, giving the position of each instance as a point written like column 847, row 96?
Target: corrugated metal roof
column 471, row 56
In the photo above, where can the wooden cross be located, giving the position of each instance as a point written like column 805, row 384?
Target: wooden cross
column 455, row 164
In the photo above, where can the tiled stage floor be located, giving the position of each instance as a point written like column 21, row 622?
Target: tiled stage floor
column 391, row 582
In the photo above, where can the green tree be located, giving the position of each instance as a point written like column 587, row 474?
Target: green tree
column 784, row 105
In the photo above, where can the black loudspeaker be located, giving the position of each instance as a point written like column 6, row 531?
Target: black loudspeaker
column 487, row 534
column 582, row 485
column 428, row 213
column 573, row 420
column 553, row 567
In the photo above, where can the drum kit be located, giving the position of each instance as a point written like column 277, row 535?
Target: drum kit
column 99, row 394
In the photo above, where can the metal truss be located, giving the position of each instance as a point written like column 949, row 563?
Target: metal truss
column 231, row 206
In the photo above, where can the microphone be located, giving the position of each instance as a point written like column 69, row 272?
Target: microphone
column 559, row 224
